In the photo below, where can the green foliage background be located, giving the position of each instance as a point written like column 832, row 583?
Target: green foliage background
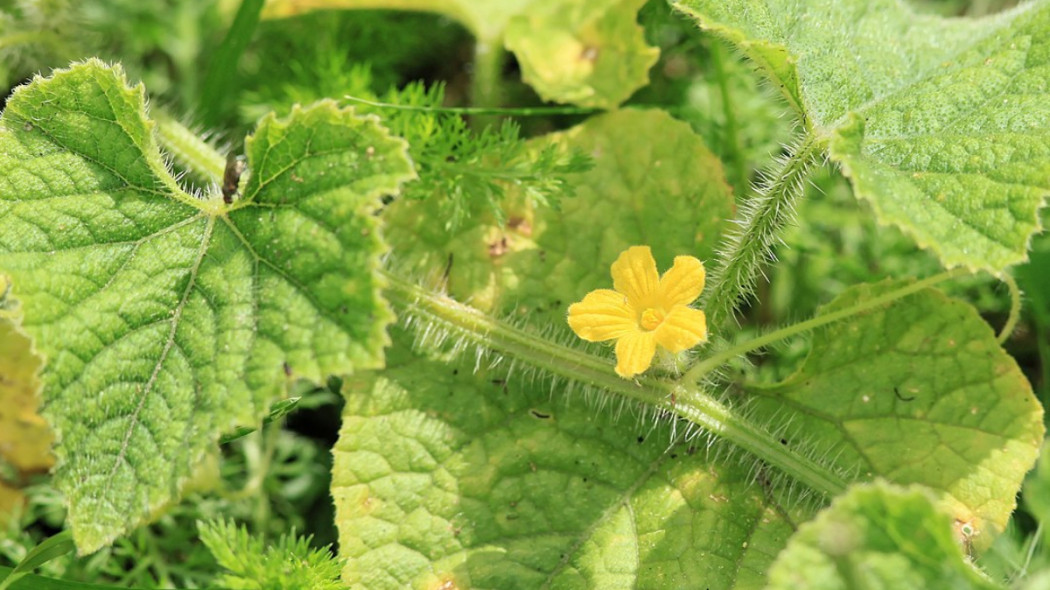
column 500, row 215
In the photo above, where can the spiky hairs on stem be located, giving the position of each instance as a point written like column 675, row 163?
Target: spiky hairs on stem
column 759, row 225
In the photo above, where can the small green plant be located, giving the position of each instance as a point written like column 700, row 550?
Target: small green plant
column 852, row 422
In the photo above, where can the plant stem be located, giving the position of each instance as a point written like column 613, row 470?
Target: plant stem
column 704, row 367
column 681, row 399
column 761, row 222
column 731, row 137
column 541, row 111
column 1015, row 309
column 188, row 149
column 485, row 89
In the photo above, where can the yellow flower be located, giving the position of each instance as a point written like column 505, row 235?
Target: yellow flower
column 644, row 311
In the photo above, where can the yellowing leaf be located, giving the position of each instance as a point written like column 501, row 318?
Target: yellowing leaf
column 25, row 439
column 589, row 53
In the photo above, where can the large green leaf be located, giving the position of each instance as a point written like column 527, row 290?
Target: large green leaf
column 165, row 318
column 444, row 478
column 654, row 182
column 586, row 52
column 943, row 125
column 916, row 392
column 876, row 536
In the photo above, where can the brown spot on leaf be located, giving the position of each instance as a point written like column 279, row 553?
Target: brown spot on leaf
column 498, row 248
column 520, row 225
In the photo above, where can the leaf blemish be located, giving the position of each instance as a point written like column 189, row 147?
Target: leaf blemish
column 897, row 393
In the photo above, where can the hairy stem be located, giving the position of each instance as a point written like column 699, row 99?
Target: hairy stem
column 698, row 371
column 188, row 150
column 681, row 399
column 761, row 222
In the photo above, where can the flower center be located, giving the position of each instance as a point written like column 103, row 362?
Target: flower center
column 652, row 318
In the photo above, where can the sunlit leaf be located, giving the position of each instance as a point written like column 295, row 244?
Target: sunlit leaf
column 446, row 478
column 942, row 125
column 590, row 53
column 165, row 319
column 877, row 536
column 916, row 392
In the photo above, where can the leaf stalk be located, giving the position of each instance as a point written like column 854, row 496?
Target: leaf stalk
column 684, row 400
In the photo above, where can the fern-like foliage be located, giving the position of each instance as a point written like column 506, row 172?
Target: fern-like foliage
column 288, row 564
column 466, row 167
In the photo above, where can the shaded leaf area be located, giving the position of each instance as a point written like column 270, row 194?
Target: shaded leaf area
column 448, row 478
column 918, row 392
column 653, row 183
column 1037, row 494
column 942, row 125
column 25, row 439
column 585, row 52
column 164, row 318
column 877, row 536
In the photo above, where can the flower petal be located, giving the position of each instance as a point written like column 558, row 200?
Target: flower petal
column 682, row 329
column 683, row 282
column 634, row 274
column 634, row 353
column 602, row 315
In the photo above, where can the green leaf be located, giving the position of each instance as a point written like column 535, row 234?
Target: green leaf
column 289, row 563
column 48, row 549
column 876, row 536
column 654, row 182
column 278, row 410
column 591, row 53
column 916, row 392
column 446, row 478
column 165, row 319
column 35, row 582
column 943, row 125
column 219, row 83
